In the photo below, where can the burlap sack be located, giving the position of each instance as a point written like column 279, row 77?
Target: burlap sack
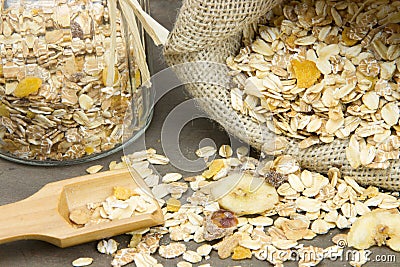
column 211, row 31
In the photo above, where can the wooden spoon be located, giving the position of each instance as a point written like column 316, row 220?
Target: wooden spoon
column 45, row 214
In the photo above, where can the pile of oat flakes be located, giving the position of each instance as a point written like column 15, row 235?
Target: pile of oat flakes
column 324, row 70
column 310, row 204
column 56, row 101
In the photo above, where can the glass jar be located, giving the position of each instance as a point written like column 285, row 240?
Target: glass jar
column 69, row 81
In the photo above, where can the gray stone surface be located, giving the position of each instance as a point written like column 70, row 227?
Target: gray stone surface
column 20, row 181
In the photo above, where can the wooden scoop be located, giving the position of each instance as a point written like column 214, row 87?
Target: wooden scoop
column 45, row 214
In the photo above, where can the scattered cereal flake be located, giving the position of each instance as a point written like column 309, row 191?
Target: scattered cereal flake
column 205, row 152
column 204, row 250
column 123, row 257
column 261, row 221
column 158, row 159
column 225, row 151
column 340, row 240
column 306, row 73
column 241, row 253
column 184, row 264
column 242, row 151
column 192, row 256
column 308, row 204
column 94, row 169
column 171, row 177
column 320, row 226
column 144, row 260
column 107, row 247
column 359, row 258
column 135, row 240
column 172, row 250
column 80, row 215
column 82, row 262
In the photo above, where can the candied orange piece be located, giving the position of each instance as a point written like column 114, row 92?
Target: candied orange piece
column 241, row 253
column 173, row 205
column 27, row 86
column 105, row 73
column 346, row 39
column 122, row 193
column 89, row 150
column 306, row 73
column 35, row 11
column 215, row 166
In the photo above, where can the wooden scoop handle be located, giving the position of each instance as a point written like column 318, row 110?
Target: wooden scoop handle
column 45, row 215
column 31, row 218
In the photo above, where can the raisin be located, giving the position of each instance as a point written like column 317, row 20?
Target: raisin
column 224, row 219
column 76, row 30
column 27, row 86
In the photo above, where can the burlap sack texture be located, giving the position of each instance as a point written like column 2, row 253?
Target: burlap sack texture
column 211, row 31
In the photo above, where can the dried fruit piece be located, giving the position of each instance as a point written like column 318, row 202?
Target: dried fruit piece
column 378, row 227
column 227, row 245
column 219, row 224
column 4, row 111
column 105, row 74
column 89, row 150
column 224, row 219
column 27, row 86
column 138, row 78
column 346, row 39
column 306, row 72
column 241, row 253
column 275, row 179
column 173, row 205
column 215, row 166
column 251, row 195
column 122, row 193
